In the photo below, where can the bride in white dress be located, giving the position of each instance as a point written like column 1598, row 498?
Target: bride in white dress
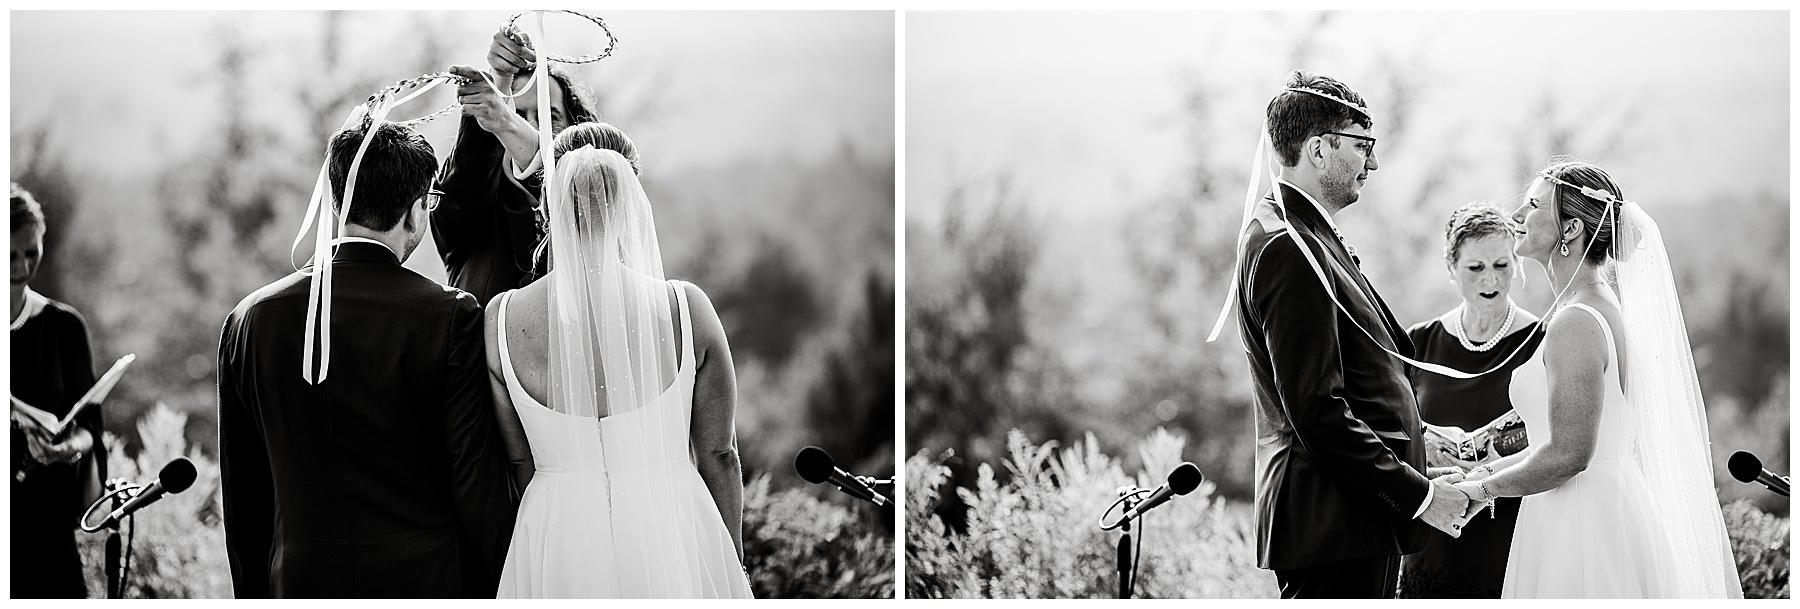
column 1619, row 499
column 616, row 399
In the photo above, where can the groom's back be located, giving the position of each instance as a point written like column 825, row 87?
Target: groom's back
column 375, row 478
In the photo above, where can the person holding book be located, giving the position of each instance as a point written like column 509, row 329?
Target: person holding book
column 55, row 475
column 1484, row 331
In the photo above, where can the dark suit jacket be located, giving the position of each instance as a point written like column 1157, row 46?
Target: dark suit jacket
column 1338, row 449
column 385, row 480
column 484, row 226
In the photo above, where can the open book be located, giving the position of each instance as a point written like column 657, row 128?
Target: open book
column 1500, row 437
column 53, row 427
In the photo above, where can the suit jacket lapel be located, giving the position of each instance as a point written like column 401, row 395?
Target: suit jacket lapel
column 1302, row 213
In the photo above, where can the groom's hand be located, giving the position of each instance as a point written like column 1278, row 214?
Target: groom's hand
column 1448, row 506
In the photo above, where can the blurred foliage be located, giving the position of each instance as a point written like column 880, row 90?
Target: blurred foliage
column 1037, row 536
column 1760, row 543
column 795, row 546
column 177, row 546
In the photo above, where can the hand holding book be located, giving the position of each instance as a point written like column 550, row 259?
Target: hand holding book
column 1501, row 437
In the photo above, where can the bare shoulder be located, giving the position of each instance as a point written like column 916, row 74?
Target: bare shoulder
column 709, row 331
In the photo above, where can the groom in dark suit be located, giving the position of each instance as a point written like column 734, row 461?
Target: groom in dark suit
column 1341, row 491
column 385, row 479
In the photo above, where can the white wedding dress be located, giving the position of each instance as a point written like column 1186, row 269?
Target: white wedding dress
column 1598, row 535
column 573, row 540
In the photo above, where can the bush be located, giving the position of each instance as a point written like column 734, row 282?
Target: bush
column 795, row 545
column 1037, row 536
column 178, row 547
column 1759, row 541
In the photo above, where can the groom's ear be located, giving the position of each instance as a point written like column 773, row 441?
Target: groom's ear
column 416, row 215
column 1313, row 151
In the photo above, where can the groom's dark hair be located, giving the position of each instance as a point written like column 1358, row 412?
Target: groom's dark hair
column 395, row 171
column 1295, row 116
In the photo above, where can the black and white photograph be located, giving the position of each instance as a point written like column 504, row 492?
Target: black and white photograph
column 453, row 304
column 1464, row 304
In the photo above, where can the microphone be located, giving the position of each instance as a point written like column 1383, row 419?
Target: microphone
column 1747, row 468
column 816, row 467
column 1182, row 481
column 175, row 477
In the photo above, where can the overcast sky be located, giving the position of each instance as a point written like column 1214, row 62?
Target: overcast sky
column 1078, row 106
column 131, row 85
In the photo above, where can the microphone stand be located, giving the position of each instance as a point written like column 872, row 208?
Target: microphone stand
column 1129, row 497
column 118, row 490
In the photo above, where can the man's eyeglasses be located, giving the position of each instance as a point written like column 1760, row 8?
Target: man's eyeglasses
column 1370, row 140
column 432, row 198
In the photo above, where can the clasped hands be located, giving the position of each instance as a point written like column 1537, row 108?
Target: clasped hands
column 1457, row 497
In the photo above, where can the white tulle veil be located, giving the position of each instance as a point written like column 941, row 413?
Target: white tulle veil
column 620, row 362
column 1672, row 444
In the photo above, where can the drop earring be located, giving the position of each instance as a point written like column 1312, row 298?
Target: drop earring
column 1563, row 249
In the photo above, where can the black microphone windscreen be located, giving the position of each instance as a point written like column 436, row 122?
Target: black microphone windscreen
column 1744, row 466
column 177, row 476
column 814, row 464
column 1185, row 478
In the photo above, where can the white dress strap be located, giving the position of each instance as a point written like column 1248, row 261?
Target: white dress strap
column 1612, row 348
column 687, row 323
column 506, row 365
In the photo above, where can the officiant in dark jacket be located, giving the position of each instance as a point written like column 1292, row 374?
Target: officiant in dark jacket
column 1341, row 485
column 489, row 229
column 1486, row 332
column 52, row 366
column 385, row 478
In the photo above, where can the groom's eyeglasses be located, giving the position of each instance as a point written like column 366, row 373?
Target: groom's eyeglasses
column 432, row 198
column 1370, row 140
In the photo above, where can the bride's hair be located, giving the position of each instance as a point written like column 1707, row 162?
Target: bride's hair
column 1477, row 220
column 585, row 176
column 1596, row 222
column 601, row 136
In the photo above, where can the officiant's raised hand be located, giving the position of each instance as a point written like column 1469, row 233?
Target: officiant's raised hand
column 1447, row 509
column 508, row 54
column 483, row 103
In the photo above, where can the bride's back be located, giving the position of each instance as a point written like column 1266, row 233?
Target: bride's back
column 527, row 327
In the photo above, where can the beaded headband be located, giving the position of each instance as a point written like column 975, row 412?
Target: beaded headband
column 1597, row 194
column 1358, row 109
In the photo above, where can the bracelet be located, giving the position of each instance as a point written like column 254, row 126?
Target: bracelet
column 1487, row 495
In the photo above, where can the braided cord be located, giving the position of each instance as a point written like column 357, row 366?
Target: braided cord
column 410, row 84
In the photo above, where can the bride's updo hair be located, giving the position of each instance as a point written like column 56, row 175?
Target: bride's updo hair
column 1472, row 221
column 601, row 136
column 1597, row 223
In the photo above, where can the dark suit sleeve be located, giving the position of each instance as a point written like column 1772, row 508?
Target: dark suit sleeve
column 479, row 478
column 1300, row 325
column 245, row 480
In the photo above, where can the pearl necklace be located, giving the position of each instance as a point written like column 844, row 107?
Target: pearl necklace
column 1463, row 337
